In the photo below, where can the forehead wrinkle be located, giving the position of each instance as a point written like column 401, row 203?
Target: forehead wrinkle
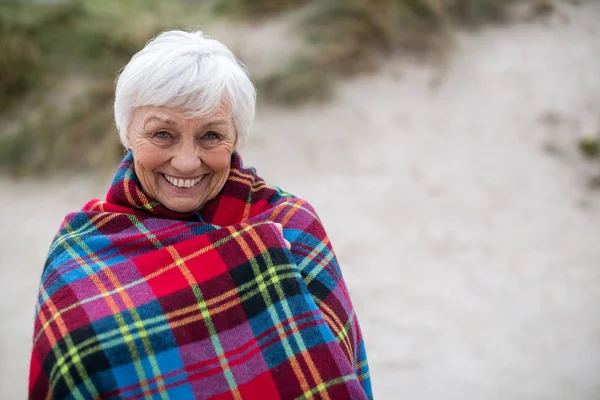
column 211, row 124
column 156, row 118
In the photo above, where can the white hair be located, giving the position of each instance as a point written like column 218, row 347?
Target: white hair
column 185, row 71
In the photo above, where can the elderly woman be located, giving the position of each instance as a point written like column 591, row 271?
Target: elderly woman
column 194, row 278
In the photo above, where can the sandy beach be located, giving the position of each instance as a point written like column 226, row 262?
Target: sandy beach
column 464, row 218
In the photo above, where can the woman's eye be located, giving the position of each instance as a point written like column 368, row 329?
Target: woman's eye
column 211, row 136
column 162, row 135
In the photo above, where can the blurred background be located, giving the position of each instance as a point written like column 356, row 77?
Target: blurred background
column 449, row 146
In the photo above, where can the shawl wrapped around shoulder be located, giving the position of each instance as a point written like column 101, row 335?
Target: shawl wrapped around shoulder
column 139, row 302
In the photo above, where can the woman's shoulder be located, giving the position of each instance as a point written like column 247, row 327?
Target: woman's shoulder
column 283, row 197
column 94, row 217
column 294, row 212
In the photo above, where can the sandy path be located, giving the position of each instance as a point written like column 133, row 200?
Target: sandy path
column 457, row 206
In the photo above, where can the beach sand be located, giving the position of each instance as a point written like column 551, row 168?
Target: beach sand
column 460, row 210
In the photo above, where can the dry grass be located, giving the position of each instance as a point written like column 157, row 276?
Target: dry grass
column 348, row 37
column 60, row 59
column 79, row 137
column 255, row 9
column 57, row 71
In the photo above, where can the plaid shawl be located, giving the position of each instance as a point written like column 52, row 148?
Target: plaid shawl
column 137, row 301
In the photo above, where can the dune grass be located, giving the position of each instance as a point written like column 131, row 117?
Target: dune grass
column 57, row 70
column 59, row 60
column 352, row 36
column 243, row 9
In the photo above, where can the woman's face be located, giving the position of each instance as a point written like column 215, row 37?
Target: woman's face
column 182, row 162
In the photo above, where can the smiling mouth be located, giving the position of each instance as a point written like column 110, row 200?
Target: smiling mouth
column 182, row 183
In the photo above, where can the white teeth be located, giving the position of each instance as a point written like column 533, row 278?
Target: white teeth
column 183, row 183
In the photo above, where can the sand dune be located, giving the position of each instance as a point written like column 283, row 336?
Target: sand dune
column 456, row 201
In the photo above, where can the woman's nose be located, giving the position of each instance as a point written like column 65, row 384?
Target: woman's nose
column 186, row 160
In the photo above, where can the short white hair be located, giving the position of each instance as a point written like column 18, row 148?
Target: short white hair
column 189, row 72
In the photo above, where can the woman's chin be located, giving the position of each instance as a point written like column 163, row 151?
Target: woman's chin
column 181, row 202
column 181, row 206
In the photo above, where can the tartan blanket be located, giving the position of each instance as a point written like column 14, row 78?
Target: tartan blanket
column 140, row 302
